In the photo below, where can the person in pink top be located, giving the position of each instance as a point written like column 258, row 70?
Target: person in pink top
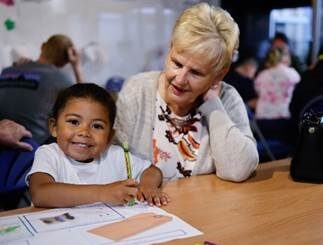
column 275, row 85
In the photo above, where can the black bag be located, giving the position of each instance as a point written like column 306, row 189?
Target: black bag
column 307, row 161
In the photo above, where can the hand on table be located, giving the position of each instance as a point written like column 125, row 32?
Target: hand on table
column 153, row 196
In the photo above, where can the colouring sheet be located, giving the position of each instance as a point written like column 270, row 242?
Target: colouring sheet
column 67, row 218
column 12, row 228
column 94, row 224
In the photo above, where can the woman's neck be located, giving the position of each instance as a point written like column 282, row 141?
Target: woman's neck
column 179, row 111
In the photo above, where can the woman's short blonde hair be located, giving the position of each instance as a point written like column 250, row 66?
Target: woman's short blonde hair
column 55, row 49
column 209, row 31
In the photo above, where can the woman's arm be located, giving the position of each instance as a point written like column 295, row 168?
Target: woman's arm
column 233, row 147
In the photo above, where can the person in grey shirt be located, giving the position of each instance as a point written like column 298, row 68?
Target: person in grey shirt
column 185, row 119
column 28, row 90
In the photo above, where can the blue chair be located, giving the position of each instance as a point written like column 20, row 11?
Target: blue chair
column 114, row 84
column 15, row 164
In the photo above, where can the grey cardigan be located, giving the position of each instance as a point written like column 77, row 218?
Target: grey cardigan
column 228, row 148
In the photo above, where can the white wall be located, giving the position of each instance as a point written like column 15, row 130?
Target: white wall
column 116, row 37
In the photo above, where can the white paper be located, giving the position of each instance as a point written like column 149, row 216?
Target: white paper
column 67, row 230
column 65, row 218
column 12, row 228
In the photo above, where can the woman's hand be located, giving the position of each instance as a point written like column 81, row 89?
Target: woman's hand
column 213, row 92
column 153, row 196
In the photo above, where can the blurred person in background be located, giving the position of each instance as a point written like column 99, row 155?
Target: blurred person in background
column 241, row 76
column 275, row 85
column 28, row 89
column 281, row 41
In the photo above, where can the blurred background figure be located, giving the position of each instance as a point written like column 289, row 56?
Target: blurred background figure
column 281, row 41
column 241, row 76
column 28, row 89
column 275, row 85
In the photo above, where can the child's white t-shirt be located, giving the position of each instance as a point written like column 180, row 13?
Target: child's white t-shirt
column 109, row 167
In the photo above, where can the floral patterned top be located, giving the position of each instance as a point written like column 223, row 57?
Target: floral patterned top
column 176, row 141
column 275, row 87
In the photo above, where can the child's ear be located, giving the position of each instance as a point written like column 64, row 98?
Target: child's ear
column 52, row 127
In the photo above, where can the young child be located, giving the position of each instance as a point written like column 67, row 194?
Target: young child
column 83, row 167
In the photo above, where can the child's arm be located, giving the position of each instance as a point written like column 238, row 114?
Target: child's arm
column 45, row 192
column 150, row 187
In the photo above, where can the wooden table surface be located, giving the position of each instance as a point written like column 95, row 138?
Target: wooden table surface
column 269, row 208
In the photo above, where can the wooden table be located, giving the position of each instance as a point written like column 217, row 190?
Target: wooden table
column 269, row 208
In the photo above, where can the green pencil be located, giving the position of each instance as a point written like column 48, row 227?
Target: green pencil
column 128, row 165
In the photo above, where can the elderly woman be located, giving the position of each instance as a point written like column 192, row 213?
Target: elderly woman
column 185, row 119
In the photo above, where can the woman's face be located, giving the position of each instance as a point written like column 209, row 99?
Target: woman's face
column 82, row 129
column 187, row 77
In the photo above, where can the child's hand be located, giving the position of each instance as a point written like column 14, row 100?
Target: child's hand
column 119, row 192
column 153, row 196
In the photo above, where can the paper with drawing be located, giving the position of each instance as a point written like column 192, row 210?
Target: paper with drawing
column 95, row 224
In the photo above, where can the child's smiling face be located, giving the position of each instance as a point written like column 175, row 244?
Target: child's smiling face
column 82, row 129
